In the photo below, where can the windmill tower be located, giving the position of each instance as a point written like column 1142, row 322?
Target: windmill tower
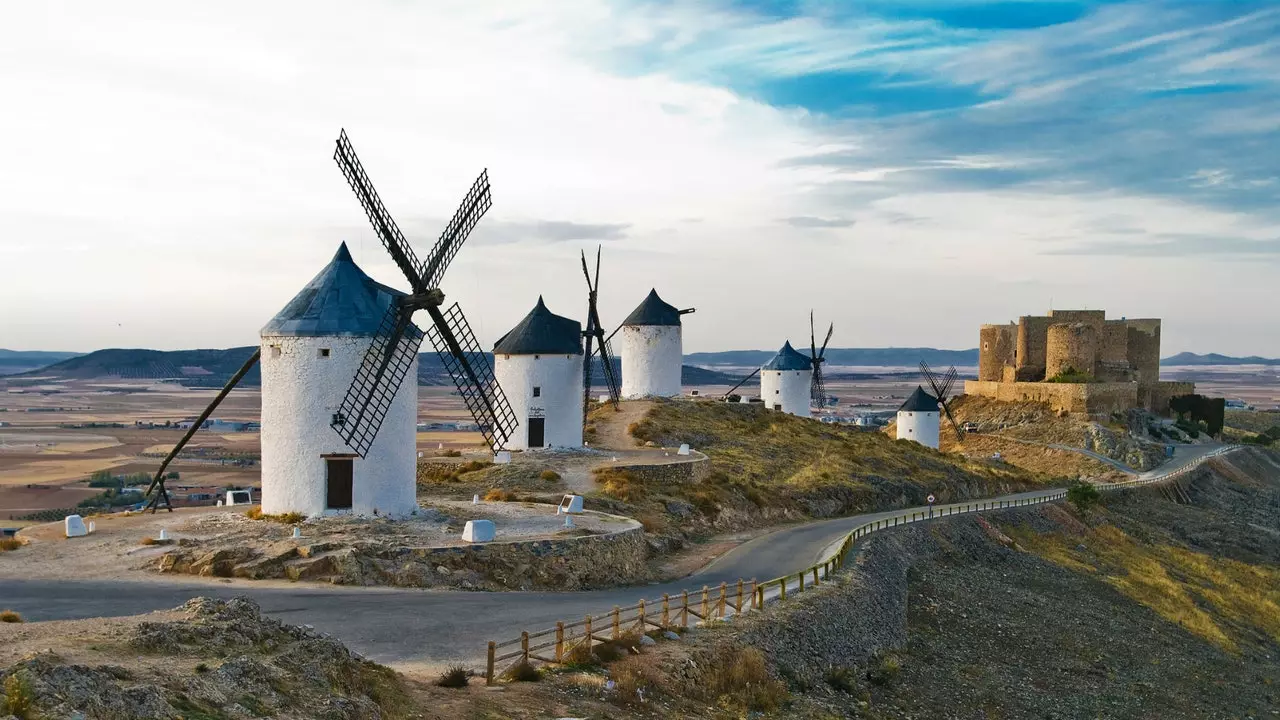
column 918, row 419
column 538, row 363
column 652, row 354
column 786, row 382
column 594, row 334
column 346, row 330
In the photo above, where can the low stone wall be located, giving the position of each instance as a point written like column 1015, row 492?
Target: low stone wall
column 561, row 563
column 694, row 471
column 1078, row 398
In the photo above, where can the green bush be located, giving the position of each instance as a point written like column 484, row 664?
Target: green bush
column 1071, row 375
column 1083, row 495
column 454, row 677
column 19, row 699
column 884, row 670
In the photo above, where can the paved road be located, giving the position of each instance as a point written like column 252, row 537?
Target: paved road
column 402, row 625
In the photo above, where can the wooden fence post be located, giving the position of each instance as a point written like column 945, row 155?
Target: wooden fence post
column 684, row 608
column 705, row 604
column 720, row 602
column 753, row 595
column 560, row 641
column 666, row 611
column 801, row 573
column 617, row 622
column 784, row 589
column 488, row 673
column 524, row 646
column 815, row 576
column 640, row 617
column 737, row 609
column 589, row 637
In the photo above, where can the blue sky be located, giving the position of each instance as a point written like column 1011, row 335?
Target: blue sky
column 909, row 169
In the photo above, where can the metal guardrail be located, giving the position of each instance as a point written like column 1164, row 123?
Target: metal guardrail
column 673, row 613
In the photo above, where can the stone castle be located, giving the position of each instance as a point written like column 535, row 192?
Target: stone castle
column 1077, row 361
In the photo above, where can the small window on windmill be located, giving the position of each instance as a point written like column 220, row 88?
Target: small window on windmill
column 338, row 420
column 537, row 391
column 275, row 351
column 324, row 352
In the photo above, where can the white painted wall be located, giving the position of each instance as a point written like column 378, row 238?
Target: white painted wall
column 651, row 359
column 788, row 387
column 300, row 393
column 559, row 378
column 920, row 426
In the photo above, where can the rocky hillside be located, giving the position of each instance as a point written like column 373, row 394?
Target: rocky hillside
column 767, row 467
column 1140, row 608
column 208, row 659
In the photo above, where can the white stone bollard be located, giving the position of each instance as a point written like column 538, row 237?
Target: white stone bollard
column 478, row 531
column 297, row 532
column 439, row 446
column 568, row 522
column 684, row 449
column 219, row 503
column 92, row 527
column 73, row 526
column 502, row 457
column 164, row 534
column 475, row 499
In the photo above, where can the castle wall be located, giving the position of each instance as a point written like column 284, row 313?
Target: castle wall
column 1144, row 349
column 997, row 347
column 1113, row 344
column 1033, row 333
column 1155, row 396
column 1079, row 398
column 1071, row 347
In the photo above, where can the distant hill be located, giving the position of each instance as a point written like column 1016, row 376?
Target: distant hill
column 213, row 368
column 1188, row 358
column 20, row 361
column 892, row 357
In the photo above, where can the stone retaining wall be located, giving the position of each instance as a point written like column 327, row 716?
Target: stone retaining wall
column 561, row 563
column 694, row 471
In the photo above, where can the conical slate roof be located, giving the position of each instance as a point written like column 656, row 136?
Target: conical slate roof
column 541, row 332
column 653, row 311
column 788, row 359
column 920, row 401
column 340, row 300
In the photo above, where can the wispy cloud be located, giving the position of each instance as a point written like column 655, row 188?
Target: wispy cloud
column 805, row 221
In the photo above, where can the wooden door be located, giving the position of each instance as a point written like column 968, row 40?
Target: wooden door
column 340, row 473
column 537, row 432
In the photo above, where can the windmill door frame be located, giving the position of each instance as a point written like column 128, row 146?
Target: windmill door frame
column 537, row 436
column 339, row 476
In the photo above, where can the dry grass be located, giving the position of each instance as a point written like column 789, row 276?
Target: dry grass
column 289, row 518
column 635, row 677
column 1213, row 598
column 454, row 677
column 156, row 541
column 7, row 544
column 523, row 672
column 549, row 475
column 10, row 616
column 500, row 495
column 434, row 473
column 18, row 699
column 619, row 483
column 738, row 677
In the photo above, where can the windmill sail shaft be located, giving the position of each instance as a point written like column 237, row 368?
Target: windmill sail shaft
column 388, row 232
column 382, row 370
column 476, row 203
column 158, row 480
column 466, row 362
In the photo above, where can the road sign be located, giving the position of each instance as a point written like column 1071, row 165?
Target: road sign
column 930, row 499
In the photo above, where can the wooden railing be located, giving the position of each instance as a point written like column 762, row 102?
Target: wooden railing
column 673, row 612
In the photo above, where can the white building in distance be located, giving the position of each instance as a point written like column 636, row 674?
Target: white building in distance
column 651, row 350
column 311, row 351
column 538, row 365
column 919, row 419
column 785, row 382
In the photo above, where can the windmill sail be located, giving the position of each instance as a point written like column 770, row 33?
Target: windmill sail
column 817, row 385
column 462, row 355
column 378, row 379
column 941, row 388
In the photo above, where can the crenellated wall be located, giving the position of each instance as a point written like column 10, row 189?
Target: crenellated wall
column 1144, row 348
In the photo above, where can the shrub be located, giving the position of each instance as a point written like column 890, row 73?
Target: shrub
column 254, row 512
column 10, row 616
column 449, row 453
column 454, row 677
column 524, row 672
column 289, row 518
column 842, row 679
column 499, row 495
column 150, row 541
column 7, row 544
column 633, row 677
column 19, row 700
column 549, row 475
column 202, row 668
column 1083, row 495
column 1071, row 375
column 738, row 677
column 619, row 483
column 884, row 670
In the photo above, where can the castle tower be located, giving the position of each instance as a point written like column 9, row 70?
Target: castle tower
column 538, row 365
column 652, row 354
column 310, row 352
column 785, row 382
column 919, row 419
column 1071, row 347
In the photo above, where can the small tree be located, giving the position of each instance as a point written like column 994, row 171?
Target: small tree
column 1083, row 495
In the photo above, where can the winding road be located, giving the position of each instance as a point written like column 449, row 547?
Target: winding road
column 394, row 625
